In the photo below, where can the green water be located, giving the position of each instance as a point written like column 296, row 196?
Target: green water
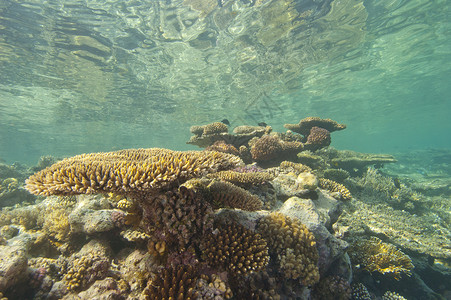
column 85, row 76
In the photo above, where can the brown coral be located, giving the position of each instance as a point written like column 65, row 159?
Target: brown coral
column 293, row 245
column 271, row 147
column 297, row 168
column 304, row 126
column 181, row 217
column 225, row 194
column 221, row 146
column 177, row 282
column 335, row 187
column 234, row 248
column 241, row 178
column 132, row 170
column 215, row 128
column 318, row 138
column 376, row 256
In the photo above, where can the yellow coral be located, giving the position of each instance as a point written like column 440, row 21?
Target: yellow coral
column 294, row 246
column 243, row 178
column 132, row 170
column 376, row 256
column 335, row 187
column 56, row 224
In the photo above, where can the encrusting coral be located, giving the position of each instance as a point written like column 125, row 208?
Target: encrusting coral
column 335, row 187
column 235, row 249
column 305, row 125
column 377, row 256
column 294, row 246
column 137, row 170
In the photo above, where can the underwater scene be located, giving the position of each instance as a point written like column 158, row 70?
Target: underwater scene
column 225, row 149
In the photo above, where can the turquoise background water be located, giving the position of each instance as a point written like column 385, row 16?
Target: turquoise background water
column 86, row 76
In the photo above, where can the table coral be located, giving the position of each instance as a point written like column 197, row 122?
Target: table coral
column 294, row 246
column 377, row 256
column 305, row 125
column 128, row 170
column 234, row 248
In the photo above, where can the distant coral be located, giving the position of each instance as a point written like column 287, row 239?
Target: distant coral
column 293, row 244
column 271, row 147
column 335, row 187
column 233, row 248
column 305, row 125
column 377, row 256
column 221, row 146
column 132, row 170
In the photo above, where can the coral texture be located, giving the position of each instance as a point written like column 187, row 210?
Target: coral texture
column 270, row 147
column 294, row 246
column 233, row 248
column 376, row 256
column 138, row 170
column 318, row 138
column 360, row 292
column 221, row 146
column 335, row 187
column 305, row 125
column 240, row 178
column 178, row 282
column 332, row 288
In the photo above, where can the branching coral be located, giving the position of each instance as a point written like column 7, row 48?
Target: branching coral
column 289, row 166
column 305, row 125
column 84, row 270
column 177, row 282
column 221, row 146
column 332, row 288
column 335, row 187
column 137, row 170
column 181, row 217
column 294, row 246
column 317, row 138
column 376, row 256
column 233, row 248
column 271, row 147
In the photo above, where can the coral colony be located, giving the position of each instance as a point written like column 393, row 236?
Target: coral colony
column 257, row 214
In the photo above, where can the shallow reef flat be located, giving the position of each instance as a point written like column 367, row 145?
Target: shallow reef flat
column 256, row 214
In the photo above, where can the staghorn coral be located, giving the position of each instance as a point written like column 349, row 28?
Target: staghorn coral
column 332, row 288
column 376, row 256
column 180, row 216
column 294, row 246
column 234, row 248
column 335, row 187
column 174, row 282
column 132, row 170
column 305, row 125
column 241, row 178
column 318, row 138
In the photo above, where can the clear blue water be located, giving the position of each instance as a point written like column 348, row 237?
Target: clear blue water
column 85, row 76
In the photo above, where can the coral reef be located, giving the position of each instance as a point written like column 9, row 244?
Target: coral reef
column 392, row 296
column 221, row 146
column 235, row 249
column 243, row 178
column 270, row 148
column 212, row 287
column 360, row 292
column 293, row 245
column 376, row 256
column 124, row 171
column 335, row 187
column 318, row 138
column 305, row 125
column 178, row 282
column 332, row 288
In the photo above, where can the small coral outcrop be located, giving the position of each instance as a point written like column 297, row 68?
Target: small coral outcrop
column 293, row 245
column 335, row 187
column 131, row 170
column 377, row 256
column 318, row 138
column 235, row 249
